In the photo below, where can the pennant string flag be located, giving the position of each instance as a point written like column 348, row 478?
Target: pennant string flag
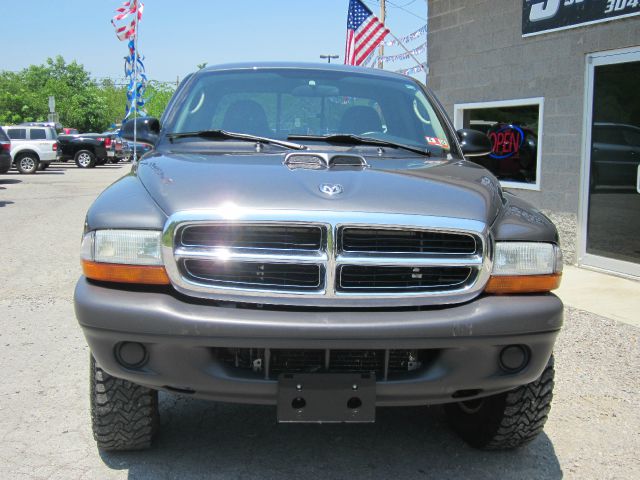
column 134, row 69
column 364, row 33
column 412, row 36
column 411, row 71
column 402, row 56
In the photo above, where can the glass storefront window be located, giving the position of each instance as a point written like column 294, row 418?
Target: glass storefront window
column 613, row 221
column 514, row 130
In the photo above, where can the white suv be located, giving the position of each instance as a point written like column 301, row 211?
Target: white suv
column 32, row 148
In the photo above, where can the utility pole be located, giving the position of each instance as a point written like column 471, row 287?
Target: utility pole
column 329, row 57
column 381, row 47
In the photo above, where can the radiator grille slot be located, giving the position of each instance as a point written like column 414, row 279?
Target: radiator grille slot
column 254, row 275
column 355, row 361
column 269, row 363
column 242, row 358
column 406, row 241
column 268, row 237
column 296, row 361
column 401, row 279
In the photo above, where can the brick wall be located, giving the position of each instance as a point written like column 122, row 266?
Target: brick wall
column 477, row 53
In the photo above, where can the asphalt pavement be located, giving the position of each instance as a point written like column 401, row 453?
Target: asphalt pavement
column 593, row 430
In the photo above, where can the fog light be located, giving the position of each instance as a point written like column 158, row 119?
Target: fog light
column 514, row 358
column 131, row 354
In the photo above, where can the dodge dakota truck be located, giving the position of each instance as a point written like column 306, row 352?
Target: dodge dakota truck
column 316, row 238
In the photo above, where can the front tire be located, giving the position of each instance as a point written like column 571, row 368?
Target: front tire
column 507, row 420
column 85, row 159
column 124, row 415
column 27, row 163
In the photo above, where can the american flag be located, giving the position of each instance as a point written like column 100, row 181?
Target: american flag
column 364, row 33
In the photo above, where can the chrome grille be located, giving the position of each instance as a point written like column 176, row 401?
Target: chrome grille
column 406, row 241
column 272, row 237
column 401, row 279
column 326, row 258
column 276, row 276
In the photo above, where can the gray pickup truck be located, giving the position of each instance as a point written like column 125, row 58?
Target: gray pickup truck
column 312, row 237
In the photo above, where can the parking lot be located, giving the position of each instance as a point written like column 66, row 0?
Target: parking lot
column 593, row 430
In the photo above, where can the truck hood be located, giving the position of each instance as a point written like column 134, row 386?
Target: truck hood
column 407, row 185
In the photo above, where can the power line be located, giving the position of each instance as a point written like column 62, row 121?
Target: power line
column 401, row 7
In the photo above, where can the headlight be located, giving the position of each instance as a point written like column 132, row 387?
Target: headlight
column 526, row 258
column 128, row 256
column 131, row 247
column 525, row 267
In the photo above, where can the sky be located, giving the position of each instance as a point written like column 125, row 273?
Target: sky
column 175, row 36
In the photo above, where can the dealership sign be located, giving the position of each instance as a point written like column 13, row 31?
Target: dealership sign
column 542, row 16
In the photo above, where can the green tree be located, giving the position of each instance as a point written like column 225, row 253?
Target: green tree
column 81, row 102
column 158, row 95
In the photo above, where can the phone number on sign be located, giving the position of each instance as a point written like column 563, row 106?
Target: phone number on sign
column 618, row 5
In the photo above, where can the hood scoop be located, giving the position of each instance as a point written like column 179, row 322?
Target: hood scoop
column 325, row 161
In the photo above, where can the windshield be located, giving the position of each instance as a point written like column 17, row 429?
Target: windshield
column 278, row 103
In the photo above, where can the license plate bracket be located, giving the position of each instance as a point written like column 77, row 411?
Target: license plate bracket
column 327, row 398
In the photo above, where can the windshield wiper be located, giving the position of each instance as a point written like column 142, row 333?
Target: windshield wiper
column 358, row 140
column 224, row 135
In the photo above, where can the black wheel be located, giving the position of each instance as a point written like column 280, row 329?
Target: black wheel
column 27, row 163
column 85, row 159
column 124, row 415
column 505, row 421
column 43, row 166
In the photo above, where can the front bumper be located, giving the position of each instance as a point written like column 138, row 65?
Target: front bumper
column 181, row 337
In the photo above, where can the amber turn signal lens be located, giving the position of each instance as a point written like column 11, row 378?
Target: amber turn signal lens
column 116, row 272
column 500, row 284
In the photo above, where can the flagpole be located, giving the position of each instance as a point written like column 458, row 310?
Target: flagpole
column 383, row 15
column 426, row 32
column 135, row 84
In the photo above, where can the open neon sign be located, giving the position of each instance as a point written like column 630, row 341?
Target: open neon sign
column 506, row 141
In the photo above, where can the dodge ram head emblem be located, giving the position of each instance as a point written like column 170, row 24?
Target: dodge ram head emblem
column 331, row 189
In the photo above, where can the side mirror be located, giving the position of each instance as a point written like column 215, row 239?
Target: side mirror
column 474, row 143
column 147, row 130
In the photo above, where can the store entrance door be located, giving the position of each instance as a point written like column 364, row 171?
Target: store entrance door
column 611, row 233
